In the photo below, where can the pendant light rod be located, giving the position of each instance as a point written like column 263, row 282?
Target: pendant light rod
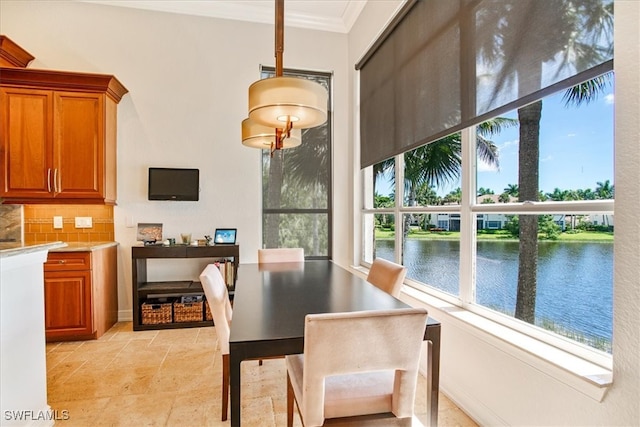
column 279, row 36
column 279, row 41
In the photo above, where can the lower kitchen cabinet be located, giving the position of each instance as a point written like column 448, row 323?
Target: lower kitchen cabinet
column 80, row 293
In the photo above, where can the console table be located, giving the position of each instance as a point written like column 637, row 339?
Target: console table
column 142, row 289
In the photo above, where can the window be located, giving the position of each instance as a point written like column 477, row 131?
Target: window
column 561, row 279
column 467, row 98
column 296, row 197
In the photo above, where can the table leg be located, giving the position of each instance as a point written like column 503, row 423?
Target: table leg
column 433, row 335
column 234, row 373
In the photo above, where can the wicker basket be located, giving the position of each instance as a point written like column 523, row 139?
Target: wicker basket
column 208, row 315
column 156, row 313
column 187, row 311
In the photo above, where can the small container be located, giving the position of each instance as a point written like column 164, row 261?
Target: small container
column 186, row 238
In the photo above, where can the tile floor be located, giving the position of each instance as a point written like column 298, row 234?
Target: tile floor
column 171, row 377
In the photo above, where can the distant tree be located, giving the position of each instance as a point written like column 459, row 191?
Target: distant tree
column 557, row 195
column 511, row 190
column 513, row 225
column 586, row 194
column 604, row 190
column 549, row 229
column 504, row 198
column 454, row 196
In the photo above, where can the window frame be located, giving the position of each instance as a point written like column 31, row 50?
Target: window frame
column 265, row 72
column 468, row 210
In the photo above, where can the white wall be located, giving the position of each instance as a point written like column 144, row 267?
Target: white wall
column 188, row 79
column 487, row 378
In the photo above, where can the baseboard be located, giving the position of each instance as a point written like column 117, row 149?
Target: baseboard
column 482, row 414
column 125, row 315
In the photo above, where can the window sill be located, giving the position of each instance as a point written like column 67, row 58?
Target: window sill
column 584, row 376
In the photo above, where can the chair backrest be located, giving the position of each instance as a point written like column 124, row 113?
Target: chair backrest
column 280, row 255
column 387, row 276
column 218, row 299
column 357, row 342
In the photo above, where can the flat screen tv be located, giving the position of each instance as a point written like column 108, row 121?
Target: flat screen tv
column 174, row 184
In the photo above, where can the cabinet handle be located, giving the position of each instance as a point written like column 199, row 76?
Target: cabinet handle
column 49, row 180
column 55, row 180
column 61, row 261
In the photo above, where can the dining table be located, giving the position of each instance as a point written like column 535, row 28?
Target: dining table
column 270, row 303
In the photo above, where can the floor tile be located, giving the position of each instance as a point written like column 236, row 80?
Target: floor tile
column 173, row 378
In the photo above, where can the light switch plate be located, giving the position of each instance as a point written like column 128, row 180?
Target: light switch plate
column 84, row 222
column 57, row 222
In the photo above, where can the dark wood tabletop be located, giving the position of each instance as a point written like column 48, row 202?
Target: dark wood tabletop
column 272, row 300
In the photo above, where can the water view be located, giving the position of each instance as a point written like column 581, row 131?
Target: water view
column 575, row 281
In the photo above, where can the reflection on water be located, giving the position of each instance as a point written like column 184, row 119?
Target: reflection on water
column 575, row 279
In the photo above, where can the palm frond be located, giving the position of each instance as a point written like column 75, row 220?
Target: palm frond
column 588, row 91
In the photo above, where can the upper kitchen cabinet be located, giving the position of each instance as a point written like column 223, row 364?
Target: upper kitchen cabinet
column 58, row 136
column 12, row 55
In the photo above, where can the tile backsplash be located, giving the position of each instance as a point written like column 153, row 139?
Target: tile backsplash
column 38, row 223
column 10, row 223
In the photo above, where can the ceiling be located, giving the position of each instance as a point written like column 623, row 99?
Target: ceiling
column 327, row 15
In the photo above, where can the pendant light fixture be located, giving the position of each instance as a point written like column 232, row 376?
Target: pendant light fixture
column 279, row 107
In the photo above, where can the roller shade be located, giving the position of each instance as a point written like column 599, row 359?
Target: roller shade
column 443, row 65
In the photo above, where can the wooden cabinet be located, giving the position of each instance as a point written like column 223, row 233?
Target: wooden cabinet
column 80, row 293
column 12, row 55
column 58, row 136
column 144, row 290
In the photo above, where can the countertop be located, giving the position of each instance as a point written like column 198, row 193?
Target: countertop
column 12, row 248
column 84, row 246
column 8, row 249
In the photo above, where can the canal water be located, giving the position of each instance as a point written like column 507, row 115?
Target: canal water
column 575, row 280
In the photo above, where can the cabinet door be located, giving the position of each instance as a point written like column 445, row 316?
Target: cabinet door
column 79, row 155
column 26, row 149
column 68, row 305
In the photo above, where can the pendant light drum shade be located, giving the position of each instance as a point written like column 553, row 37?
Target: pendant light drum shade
column 276, row 100
column 255, row 135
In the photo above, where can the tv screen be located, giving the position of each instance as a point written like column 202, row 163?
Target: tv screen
column 174, row 184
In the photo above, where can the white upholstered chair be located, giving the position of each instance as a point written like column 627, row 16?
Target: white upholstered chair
column 280, row 255
column 215, row 290
column 355, row 364
column 387, row 276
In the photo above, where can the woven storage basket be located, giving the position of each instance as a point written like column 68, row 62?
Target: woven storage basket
column 156, row 313
column 187, row 311
column 208, row 315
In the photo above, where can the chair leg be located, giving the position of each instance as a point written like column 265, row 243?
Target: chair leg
column 260, row 362
column 290, row 399
column 225, row 386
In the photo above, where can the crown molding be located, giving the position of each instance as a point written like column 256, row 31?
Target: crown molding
column 251, row 11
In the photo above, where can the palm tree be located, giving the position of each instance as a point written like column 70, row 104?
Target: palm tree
column 440, row 162
column 484, row 191
column 511, row 190
column 604, row 190
column 592, row 22
column 454, row 197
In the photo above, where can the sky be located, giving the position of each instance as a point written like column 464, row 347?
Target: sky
column 576, row 148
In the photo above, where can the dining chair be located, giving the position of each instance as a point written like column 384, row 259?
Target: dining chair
column 356, row 364
column 217, row 296
column 387, row 276
column 280, row 255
